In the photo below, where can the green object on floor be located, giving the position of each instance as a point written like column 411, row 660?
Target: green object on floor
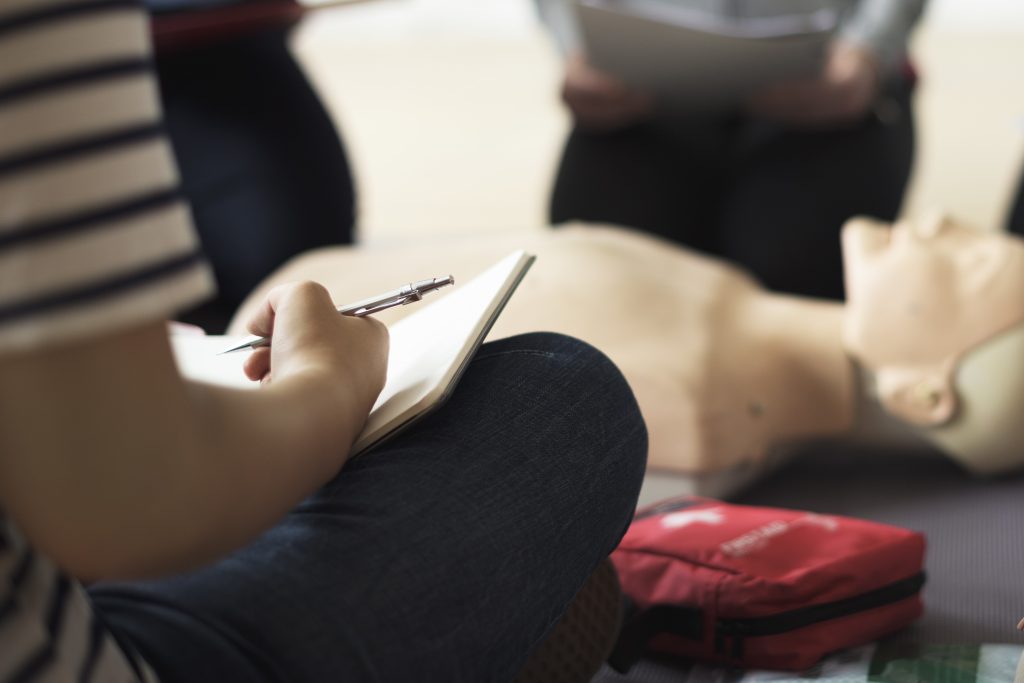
column 911, row 663
column 887, row 663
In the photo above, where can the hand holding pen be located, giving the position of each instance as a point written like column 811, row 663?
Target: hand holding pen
column 406, row 294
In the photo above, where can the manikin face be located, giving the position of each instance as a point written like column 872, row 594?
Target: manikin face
column 919, row 285
column 920, row 296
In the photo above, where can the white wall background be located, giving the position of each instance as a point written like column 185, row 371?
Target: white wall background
column 977, row 15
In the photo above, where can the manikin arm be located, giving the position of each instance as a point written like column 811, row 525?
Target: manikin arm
column 116, row 468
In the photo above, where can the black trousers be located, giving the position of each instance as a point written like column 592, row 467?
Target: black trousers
column 261, row 162
column 1015, row 219
column 770, row 199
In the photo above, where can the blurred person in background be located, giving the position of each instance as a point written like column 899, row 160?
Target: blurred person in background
column 767, row 186
column 261, row 162
column 1015, row 218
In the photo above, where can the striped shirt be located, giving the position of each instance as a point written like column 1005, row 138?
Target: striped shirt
column 94, row 237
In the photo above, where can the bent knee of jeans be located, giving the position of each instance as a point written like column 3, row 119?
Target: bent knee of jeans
column 585, row 363
column 574, row 375
column 612, row 456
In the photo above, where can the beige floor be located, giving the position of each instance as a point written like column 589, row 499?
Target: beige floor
column 451, row 114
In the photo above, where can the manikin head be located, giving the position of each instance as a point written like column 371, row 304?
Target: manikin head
column 935, row 311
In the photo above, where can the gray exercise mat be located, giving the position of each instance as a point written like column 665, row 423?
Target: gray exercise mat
column 975, row 557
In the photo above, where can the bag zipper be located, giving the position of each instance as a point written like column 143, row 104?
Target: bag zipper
column 739, row 629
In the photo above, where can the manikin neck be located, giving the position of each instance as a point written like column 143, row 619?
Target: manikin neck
column 986, row 434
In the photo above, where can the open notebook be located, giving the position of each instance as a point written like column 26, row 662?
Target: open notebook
column 430, row 349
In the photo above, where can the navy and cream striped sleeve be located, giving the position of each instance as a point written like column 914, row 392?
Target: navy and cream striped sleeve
column 94, row 233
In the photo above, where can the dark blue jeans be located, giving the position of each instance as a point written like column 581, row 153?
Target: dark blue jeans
column 445, row 555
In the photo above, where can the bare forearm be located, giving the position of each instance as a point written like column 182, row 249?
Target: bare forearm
column 150, row 483
column 256, row 455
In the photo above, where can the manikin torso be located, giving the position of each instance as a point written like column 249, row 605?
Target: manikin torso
column 696, row 339
column 725, row 372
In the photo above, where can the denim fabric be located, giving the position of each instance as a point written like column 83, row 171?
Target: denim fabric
column 445, row 555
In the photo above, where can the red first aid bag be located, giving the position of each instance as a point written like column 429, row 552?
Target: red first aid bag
column 760, row 587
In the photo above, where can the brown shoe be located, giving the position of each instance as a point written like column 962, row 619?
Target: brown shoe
column 583, row 638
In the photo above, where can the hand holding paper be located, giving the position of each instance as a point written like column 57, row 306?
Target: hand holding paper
column 600, row 101
column 842, row 94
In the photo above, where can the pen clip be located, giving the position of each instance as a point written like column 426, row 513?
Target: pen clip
column 399, row 300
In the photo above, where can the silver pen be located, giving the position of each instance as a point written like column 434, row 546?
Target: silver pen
column 406, row 294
